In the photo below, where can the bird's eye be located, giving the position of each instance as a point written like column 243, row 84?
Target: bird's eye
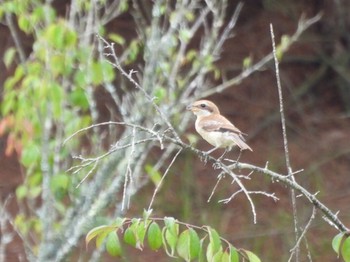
column 203, row 105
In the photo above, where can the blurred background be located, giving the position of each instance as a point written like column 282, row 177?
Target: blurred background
column 315, row 78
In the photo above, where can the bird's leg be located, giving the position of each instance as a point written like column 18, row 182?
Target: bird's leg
column 216, row 165
column 239, row 156
column 211, row 150
column 205, row 155
column 219, row 159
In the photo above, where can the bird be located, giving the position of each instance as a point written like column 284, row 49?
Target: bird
column 216, row 129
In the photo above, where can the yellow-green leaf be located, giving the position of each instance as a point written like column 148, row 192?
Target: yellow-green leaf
column 233, row 254
column 113, row 246
column 153, row 174
column 345, row 250
column 116, row 38
column 336, row 242
column 188, row 245
column 251, row 256
column 21, row 192
column 9, row 56
column 30, row 154
column 96, row 231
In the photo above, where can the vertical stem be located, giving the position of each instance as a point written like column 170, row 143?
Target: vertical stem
column 285, row 143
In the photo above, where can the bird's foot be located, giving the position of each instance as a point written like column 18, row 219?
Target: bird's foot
column 204, row 157
column 217, row 165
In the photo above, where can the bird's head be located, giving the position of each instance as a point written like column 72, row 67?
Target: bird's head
column 203, row 108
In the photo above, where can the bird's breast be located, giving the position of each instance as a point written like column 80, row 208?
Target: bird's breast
column 215, row 138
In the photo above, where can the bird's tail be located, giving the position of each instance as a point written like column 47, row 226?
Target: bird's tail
column 239, row 140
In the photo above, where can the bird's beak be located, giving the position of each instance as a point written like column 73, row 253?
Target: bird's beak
column 189, row 107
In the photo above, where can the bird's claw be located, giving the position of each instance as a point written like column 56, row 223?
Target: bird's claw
column 204, row 157
column 217, row 165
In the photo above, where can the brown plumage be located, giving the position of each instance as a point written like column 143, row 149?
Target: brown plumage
column 215, row 128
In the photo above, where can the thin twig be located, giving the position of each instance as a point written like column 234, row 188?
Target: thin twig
column 128, row 172
column 220, row 176
column 16, row 38
column 306, row 228
column 336, row 222
column 241, row 186
column 117, row 65
column 285, row 142
column 163, row 177
column 302, row 26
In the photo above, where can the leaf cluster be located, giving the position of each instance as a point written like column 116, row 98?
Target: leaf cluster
column 191, row 244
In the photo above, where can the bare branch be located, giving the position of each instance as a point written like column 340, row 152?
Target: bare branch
column 302, row 26
column 285, row 142
column 163, row 177
column 306, row 228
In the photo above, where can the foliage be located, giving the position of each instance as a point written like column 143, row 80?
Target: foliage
column 53, row 93
column 186, row 244
column 341, row 245
column 80, row 172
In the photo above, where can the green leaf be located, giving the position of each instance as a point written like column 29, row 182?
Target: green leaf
column 247, row 62
column 153, row 174
column 9, row 56
column 129, row 237
column 30, row 154
column 154, row 236
column 345, row 250
column 113, row 246
column 133, row 51
column 100, row 238
column 96, row 73
column 55, row 35
column 140, row 230
column 336, row 242
column 233, row 254
column 185, row 35
column 78, row 98
column 21, row 192
column 159, row 94
column 214, row 249
column 171, row 233
column 56, row 96
column 188, row 245
column 214, row 239
column 201, row 256
column 217, row 257
column 35, row 191
column 97, row 231
column 170, row 239
column 251, row 256
column 108, row 71
column 57, row 64
column 225, row 257
column 116, row 38
column 24, row 23
column 171, row 225
column 59, row 185
column 101, row 232
column 183, row 245
column 195, row 245
column 35, row 179
column 212, row 254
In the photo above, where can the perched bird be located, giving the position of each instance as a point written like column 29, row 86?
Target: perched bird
column 215, row 128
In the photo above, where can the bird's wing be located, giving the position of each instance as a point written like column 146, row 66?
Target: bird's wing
column 220, row 124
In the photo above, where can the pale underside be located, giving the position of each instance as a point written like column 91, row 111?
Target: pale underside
column 221, row 135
